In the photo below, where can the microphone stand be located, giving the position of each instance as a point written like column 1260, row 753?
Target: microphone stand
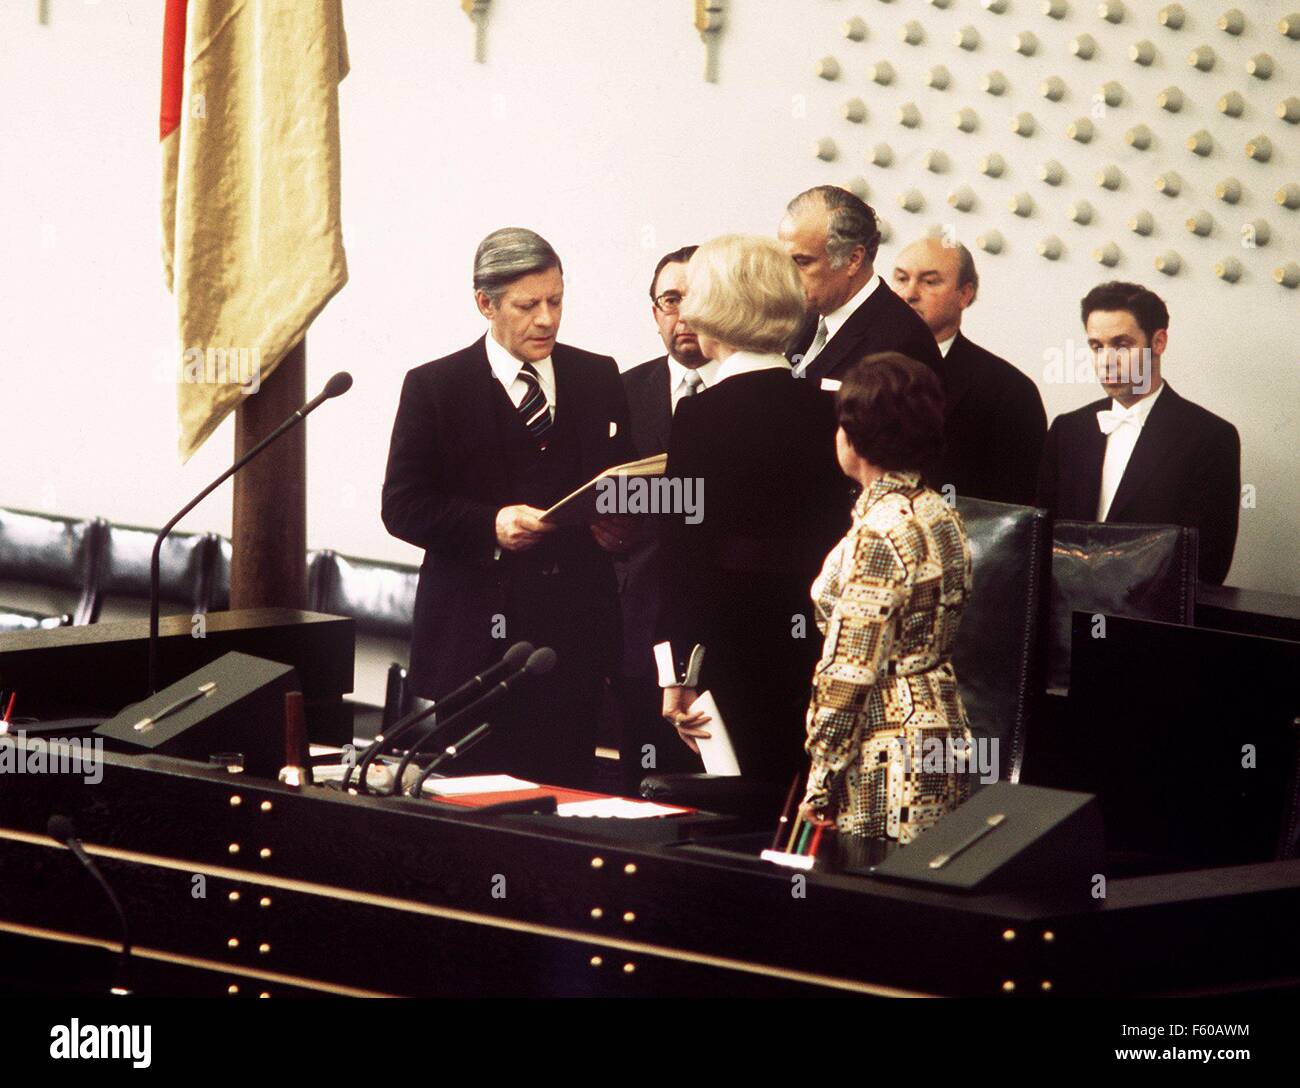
column 539, row 663
column 514, row 658
column 452, row 751
column 336, row 386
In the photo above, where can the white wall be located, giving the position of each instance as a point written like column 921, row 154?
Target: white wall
column 591, row 123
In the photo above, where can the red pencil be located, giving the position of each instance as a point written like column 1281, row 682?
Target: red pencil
column 817, row 837
column 9, row 709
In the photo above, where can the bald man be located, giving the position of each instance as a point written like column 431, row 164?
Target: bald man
column 994, row 423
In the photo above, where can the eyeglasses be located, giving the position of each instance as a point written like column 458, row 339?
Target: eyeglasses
column 669, row 302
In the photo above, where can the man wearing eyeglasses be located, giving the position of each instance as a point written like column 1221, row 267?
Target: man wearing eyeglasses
column 654, row 390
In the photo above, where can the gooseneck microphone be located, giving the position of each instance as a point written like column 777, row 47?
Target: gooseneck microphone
column 539, row 663
column 335, row 387
column 514, row 659
column 60, row 828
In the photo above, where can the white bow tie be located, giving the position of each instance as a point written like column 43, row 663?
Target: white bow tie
column 1110, row 418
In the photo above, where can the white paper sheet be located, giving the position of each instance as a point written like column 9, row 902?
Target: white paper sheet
column 716, row 751
column 620, row 807
column 476, row 783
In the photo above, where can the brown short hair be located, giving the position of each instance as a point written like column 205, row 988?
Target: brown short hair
column 891, row 409
column 1148, row 308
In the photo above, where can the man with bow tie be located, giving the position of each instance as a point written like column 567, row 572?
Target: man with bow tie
column 1145, row 455
column 485, row 440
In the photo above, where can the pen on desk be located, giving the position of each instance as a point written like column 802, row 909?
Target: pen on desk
column 785, row 812
column 794, row 834
column 817, row 838
column 145, row 724
column 804, row 836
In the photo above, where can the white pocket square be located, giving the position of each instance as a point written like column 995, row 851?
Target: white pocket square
column 830, row 384
column 613, row 428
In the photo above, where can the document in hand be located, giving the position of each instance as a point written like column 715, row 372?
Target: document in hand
column 716, row 750
column 580, row 507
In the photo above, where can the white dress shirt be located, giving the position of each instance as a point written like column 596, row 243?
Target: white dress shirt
column 1119, row 448
column 506, row 368
column 835, row 321
column 746, row 362
column 944, row 345
column 677, row 377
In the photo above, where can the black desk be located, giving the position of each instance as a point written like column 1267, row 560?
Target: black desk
column 321, row 892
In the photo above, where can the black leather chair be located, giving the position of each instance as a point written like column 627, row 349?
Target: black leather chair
column 54, row 556
column 186, row 568
column 998, row 651
column 220, row 591
column 1146, row 572
column 380, row 597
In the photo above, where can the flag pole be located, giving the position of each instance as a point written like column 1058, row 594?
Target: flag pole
column 269, row 521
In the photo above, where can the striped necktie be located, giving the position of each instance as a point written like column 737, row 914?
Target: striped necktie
column 694, row 383
column 534, row 409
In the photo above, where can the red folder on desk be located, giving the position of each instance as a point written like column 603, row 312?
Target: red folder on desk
column 562, row 795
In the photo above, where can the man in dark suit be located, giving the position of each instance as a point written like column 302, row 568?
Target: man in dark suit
column 993, row 418
column 484, row 441
column 654, row 389
column 832, row 236
column 1144, row 455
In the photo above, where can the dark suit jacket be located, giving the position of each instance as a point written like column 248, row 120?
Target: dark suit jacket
column 775, row 503
column 650, row 413
column 883, row 322
column 447, row 479
column 1184, row 470
column 993, row 426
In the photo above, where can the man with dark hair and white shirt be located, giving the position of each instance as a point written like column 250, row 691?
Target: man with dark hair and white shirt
column 1143, row 455
column 648, row 744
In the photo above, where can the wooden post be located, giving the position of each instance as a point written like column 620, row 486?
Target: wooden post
column 269, row 528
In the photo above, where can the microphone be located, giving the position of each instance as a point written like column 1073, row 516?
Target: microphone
column 335, row 387
column 539, row 663
column 514, row 658
column 60, row 828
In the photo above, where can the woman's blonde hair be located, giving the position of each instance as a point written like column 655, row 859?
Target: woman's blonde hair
column 744, row 290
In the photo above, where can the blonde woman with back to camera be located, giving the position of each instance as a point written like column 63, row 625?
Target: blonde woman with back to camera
column 736, row 581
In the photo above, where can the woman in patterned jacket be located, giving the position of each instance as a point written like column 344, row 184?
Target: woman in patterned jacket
column 887, row 734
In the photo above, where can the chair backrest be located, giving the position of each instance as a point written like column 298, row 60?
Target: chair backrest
column 1146, row 572
column 50, row 552
column 379, row 596
column 318, row 563
column 185, row 567
column 997, row 654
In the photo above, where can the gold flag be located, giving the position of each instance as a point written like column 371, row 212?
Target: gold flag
column 252, row 234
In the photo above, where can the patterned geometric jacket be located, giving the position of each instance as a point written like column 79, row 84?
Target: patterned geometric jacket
column 886, row 727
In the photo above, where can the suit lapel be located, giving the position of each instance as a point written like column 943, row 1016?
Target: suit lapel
column 955, row 374
column 661, row 404
column 484, row 388
column 850, row 335
column 1083, row 466
column 1154, row 446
